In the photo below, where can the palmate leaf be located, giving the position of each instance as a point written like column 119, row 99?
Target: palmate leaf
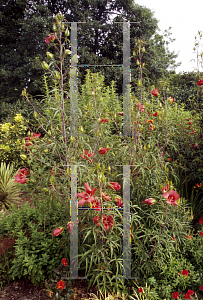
column 9, row 191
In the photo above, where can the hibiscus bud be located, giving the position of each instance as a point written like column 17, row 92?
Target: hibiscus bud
column 72, row 138
column 149, row 146
column 57, row 75
column 139, row 82
column 137, row 62
column 67, row 33
column 109, row 168
column 67, row 52
column 143, row 49
column 23, row 156
column 50, row 55
column 62, row 26
column 145, row 148
column 45, row 66
column 54, row 27
column 176, row 107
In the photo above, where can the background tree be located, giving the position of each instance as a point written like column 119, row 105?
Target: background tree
column 25, row 24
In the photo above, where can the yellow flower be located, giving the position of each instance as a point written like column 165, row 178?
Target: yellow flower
column 18, row 118
column 7, row 149
column 5, row 127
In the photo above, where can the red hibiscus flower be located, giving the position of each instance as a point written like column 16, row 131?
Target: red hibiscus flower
column 119, row 202
column 140, row 106
column 201, row 233
column 36, row 135
column 155, row 93
column 96, row 220
column 187, row 296
column 120, row 113
column 86, row 155
column 103, row 150
column 20, row 176
column 87, row 195
column 185, row 272
column 70, row 226
column 190, row 292
column 171, row 197
column 200, row 82
column 61, row 285
column 165, row 189
column 149, row 201
column 114, row 186
column 175, row 295
column 108, row 222
column 195, row 145
column 96, row 204
column 140, row 290
column 201, row 220
column 104, row 120
column 106, row 197
column 50, row 38
column 187, row 119
column 27, row 144
column 64, row 262
column 57, row 231
column 173, row 238
column 155, row 114
column 201, row 288
column 189, row 237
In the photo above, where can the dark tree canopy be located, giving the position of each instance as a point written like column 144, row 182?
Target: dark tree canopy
column 24, row 25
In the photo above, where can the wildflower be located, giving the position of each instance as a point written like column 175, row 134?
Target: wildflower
column 119, row 202
column 173, row 238
column 150, row 121
column 18, row 118
column 140, row 106
column 57, row 231
column 155, row 92
column 171, row 197
column 50, row 38
column 189, row 123
column 201, row 220
column 187, row 296
column 120, row 113
column 201, row 288
column 104, row 120
column 165, row 189
column 87, row 155
column 140, row 290
column 201, row 233
column 185, row 272
column 86, row 196
column 108, row 222
column 96, row 220
column 70, row 226
column 187, row 119
column 175, row 295
column 103, row 150
column 199, row 184
column 155, row 114
column 61, row 285
column 189, row 237
column 190, row 292
column 200, row 82
column 169, row 159
column 106, row 197
column 195, row 145
column 115, row 186
column 21, row 176
column 64, row 262
column 149, row 201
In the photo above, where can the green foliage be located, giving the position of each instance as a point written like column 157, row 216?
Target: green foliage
column 35, row 253
column 9, row 191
